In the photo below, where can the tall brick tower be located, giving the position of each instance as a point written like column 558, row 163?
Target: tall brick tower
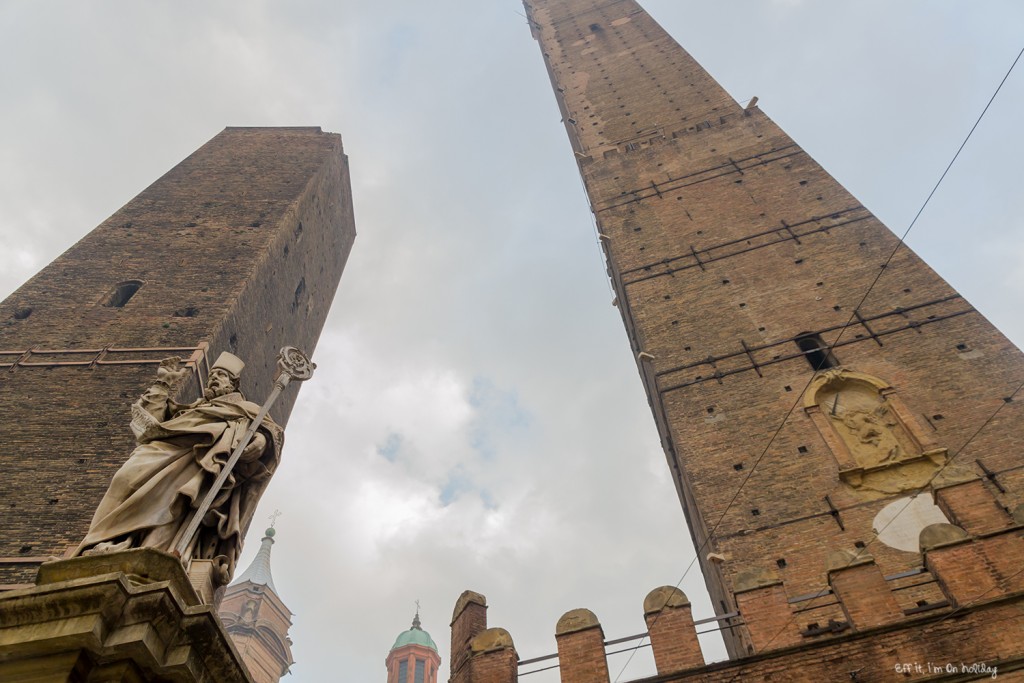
column 238, row 248
column 799, row 418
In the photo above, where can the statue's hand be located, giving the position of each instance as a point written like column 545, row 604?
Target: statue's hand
column 255, row 448
column 170, row 370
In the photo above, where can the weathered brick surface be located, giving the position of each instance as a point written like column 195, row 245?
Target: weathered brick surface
column 239, row 247
column 725, row 241
column 468, row 620
column 980, row 569
column 581, row 657
column 496, row 666
column 865, row 596
column 973, row 507
column 891, row 653
column 769, row 619
column 674, row 639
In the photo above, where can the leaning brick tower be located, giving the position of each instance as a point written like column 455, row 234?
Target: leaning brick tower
column 830, row 450
column 238, row 248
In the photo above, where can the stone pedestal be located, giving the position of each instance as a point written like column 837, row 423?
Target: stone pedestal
column 124, row 617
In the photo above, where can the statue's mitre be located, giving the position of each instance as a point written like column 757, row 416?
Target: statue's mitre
column 229, row 363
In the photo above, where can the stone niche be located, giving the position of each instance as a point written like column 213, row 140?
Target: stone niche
column 880, row 447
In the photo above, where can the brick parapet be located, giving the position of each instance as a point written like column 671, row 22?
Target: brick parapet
column 479, row 654
column 581, row 655
column 670, row 627
column 973, row 569
column 981, row 633
column 860, row 587
column 972, row 506
column 469, row 618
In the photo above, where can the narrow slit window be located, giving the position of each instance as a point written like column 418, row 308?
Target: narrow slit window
column 816, row 352
column 122, row 293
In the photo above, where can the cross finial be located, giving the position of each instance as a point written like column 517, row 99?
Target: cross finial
column 273, row 518
column 416, row 619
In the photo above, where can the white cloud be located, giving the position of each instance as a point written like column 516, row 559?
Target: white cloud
column 472, row 338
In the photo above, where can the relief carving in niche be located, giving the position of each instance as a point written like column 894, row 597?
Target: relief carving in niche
column 880, row 447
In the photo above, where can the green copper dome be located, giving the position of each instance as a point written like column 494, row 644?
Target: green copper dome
column 414, row 636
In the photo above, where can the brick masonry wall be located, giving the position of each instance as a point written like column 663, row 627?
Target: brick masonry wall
column 241, row 246
column 722, row 234
column 890, row 653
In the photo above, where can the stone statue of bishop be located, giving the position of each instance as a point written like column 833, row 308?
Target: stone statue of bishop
column 181, row 450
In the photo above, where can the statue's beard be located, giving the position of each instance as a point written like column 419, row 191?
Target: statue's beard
column 217, row 390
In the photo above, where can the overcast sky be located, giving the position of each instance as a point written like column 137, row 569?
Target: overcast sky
column 477, row 420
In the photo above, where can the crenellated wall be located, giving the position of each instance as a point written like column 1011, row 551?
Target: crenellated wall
column 868, row 636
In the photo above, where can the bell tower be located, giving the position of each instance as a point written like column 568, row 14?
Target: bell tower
column 413, row 658
column 257, row 619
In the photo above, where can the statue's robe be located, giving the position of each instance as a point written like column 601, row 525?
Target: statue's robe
column 181, row 450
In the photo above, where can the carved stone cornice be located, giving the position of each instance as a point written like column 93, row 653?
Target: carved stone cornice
column 130, row 616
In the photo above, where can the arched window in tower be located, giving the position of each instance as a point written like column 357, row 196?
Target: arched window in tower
column 122, row 293
column 816, row 351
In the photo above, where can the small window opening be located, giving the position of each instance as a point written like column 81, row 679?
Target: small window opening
column 710, row 409
column 25, row 549
column 781, row 562
column 963, row 347
column 801, row 449
column 859, row 544
column 738, row 466
column 122, row 293
column 186, row 312
column 816, row 351
column 298, row 294
column 788, row 388
column 755, row 512
column 22, row 313
column 937, row 417
column 922, row 603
